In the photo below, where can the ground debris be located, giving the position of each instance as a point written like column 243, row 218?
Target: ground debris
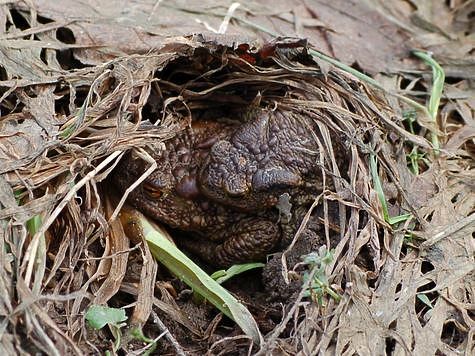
column 71, row 108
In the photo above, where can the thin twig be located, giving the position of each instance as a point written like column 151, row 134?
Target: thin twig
column 179, row 350
column 153, row 165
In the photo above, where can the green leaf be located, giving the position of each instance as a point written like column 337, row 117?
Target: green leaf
column 99, row 316
column 311, row 258
column 414, row 157
column 190, row 273
column 222, row 276
column 34, row 224
column 424, row 299
column 218, row 274
column 137, row 334
column 319, row 284
column 18, row 193
column 373, row 166
column 328, row 257
column 117, row 334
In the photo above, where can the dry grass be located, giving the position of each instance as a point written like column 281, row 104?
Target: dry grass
column 406, row 288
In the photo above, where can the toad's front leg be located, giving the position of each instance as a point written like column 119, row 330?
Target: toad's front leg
column 249, row 240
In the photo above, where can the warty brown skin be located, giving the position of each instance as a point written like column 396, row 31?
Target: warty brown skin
column 221, row 181
column 272, row 154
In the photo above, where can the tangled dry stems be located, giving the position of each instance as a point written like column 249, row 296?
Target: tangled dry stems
column 54, row 168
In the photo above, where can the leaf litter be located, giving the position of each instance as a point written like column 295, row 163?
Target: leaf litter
column 69, row 111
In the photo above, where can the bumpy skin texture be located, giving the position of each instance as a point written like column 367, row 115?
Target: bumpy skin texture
column 220, row 235
column 221, row 181
column 274, row 153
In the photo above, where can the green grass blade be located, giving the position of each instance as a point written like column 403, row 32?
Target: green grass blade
column 424, row 299
column 80, row 118
column 222, row 276
column 191, row 274
column 33, row 225
column 438, row 79
column 378, row 187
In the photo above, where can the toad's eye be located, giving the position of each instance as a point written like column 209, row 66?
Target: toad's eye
column 152, row 191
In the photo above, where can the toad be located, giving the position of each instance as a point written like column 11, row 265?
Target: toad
column 221, row 182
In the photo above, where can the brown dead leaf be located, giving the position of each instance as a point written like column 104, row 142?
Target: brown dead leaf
column 146, row 288
column 443, row 28
column 76, row 121
column 118, row 253
column 342, row 29
column 22, row 141
column 41, row 106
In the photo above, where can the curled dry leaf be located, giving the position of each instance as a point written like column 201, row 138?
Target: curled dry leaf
column 63, row 131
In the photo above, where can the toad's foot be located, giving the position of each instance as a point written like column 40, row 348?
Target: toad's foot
column 249, row 240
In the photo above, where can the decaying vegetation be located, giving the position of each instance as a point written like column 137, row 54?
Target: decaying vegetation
column 403, row 264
